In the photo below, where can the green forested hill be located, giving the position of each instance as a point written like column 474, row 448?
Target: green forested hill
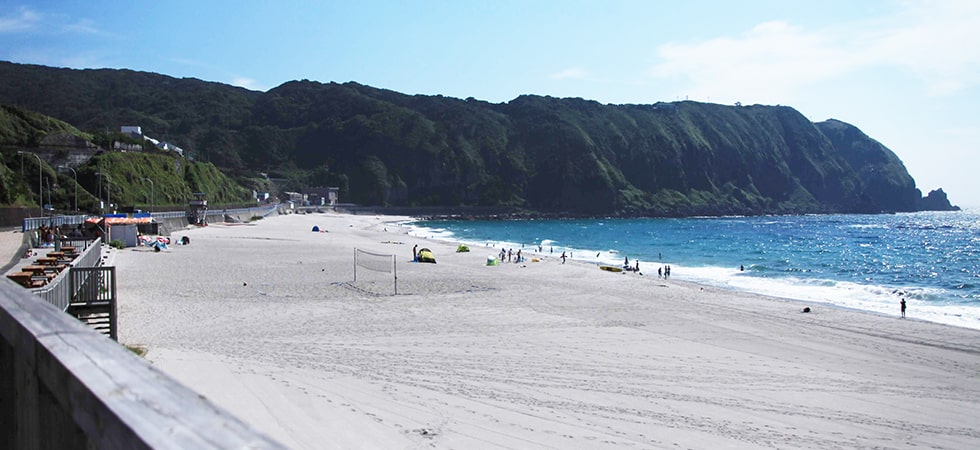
column 545, row 154
column 130, row 179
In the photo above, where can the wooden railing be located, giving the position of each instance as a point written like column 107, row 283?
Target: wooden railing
column 65, row 386
column 92, row 298
column 59, row 292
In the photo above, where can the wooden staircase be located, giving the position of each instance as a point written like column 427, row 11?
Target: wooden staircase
column 93, row 298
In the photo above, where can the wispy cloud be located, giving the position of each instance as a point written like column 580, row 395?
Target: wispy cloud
column 771, row 60
column 21, row 20
column 222, row 75
column 570, row 73
column 937, row 44
column 247, row 83
column 83, row 26
column 29, row 20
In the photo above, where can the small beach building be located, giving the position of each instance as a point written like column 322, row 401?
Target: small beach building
column 321, row 196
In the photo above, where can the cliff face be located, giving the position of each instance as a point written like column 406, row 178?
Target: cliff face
column 555, row 155
column 887, row 185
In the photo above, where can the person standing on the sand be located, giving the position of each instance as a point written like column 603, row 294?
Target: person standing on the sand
column 563, row 257
column 415, row 253
column 903, row 307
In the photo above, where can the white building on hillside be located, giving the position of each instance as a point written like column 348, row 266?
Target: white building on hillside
column 137, row 132
column 131, row 130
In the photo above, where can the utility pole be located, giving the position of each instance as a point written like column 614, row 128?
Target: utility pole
column 151, row 194
column 108, row 188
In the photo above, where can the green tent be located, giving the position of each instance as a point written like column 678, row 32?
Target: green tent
column 426, row 256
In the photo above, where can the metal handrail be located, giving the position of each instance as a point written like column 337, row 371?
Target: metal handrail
column 33, row 223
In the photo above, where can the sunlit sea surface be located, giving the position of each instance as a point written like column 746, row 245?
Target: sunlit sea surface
column 866, row 262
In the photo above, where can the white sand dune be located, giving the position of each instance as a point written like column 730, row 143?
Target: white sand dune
column 263, row 319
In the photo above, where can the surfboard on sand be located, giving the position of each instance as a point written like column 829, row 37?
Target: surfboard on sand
column 611, row 268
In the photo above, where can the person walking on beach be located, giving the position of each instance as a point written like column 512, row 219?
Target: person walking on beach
column 563, row 257
column 903, row 307
column 415, row 253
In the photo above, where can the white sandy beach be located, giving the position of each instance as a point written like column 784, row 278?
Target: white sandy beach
column 263, row 320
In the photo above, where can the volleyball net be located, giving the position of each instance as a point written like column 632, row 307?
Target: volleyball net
column 377, row 273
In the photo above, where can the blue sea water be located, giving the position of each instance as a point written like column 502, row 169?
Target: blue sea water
column 866, row 262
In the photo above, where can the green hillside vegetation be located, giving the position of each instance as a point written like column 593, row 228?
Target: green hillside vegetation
column 24, row 129
column 21, row 127
column 172, row 179
column 566, row 156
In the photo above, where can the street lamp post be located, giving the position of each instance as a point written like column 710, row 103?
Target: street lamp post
column 40, row 193
column 50, row 203
column 151, row 194
column 74, row 174
column 105, row 229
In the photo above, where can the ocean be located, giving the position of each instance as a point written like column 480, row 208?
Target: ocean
column 865, row 262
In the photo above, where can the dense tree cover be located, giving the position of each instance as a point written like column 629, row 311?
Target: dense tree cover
column 128, row 179
column 569, row 156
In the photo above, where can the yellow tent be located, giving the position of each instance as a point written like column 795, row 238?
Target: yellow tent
column 426, row 256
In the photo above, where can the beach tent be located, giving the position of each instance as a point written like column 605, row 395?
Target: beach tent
column 426, row 256
column 462, row 248
column 316, row 228
column 492, row 261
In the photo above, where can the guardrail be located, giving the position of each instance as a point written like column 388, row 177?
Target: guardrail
column 78, row 243
column 169, row 214
column 33, row 223
column 65, row 386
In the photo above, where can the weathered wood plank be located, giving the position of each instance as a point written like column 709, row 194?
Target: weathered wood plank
column 66, row 373
column 7, row 408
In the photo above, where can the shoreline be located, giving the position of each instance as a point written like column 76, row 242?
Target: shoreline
column 264, row 320
column 825, row 291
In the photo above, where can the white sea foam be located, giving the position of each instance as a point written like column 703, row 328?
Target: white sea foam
column 874, row 298
column 924, row 303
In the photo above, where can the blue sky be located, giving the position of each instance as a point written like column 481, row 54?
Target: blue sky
column 907, row 73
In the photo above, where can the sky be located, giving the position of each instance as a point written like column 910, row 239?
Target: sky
column 907, row 73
